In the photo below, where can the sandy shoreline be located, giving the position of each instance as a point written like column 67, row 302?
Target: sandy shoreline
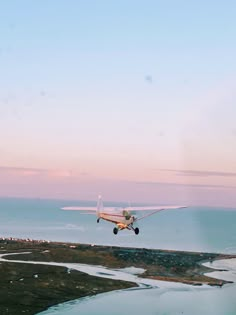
column 31, row 288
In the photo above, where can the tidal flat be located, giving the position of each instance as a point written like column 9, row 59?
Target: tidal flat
column 30, row 288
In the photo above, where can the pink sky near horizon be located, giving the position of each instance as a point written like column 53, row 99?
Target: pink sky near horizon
column 139, row 107
column 192, row 162
column 173, row 187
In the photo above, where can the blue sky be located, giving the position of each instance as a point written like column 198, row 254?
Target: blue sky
column 108, row 95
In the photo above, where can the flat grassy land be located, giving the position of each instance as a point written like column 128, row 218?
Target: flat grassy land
column 29, row 289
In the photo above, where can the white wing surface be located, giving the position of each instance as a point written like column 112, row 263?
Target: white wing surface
column 147, row 210
column 153, row 208
column 92, row 209
column 129, row 209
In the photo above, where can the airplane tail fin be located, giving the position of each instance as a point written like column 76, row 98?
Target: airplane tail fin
column 99, row 205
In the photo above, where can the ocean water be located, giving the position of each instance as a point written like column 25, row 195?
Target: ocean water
column 193, row 229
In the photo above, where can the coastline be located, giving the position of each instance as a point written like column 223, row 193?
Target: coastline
column 31, row 288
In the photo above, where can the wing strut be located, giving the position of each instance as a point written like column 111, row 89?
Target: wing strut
column 149, row 214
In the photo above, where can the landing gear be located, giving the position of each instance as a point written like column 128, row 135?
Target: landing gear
column 115, row 230
column 128, row 227
column 98, row 219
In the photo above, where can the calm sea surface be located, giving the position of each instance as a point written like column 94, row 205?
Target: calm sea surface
column 194, row 229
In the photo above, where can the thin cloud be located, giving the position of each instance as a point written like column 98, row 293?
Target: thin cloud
column 200, row 173
column 58, row 173
column 24, row 171
column 205, row 186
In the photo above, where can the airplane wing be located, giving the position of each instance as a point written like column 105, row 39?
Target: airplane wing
column 90, row 210
column 153, row 209
column 148, row 210
column 83, row 210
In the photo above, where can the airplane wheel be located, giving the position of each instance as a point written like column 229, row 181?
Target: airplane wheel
column 115, row 230
column 136, row 231
column 98, row 220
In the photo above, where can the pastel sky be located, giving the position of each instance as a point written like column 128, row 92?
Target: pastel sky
column 132, row 99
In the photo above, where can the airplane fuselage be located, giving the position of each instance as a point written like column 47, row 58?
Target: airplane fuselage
column 119, row 219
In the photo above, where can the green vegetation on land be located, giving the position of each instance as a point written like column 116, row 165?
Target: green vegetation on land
column 29, row 288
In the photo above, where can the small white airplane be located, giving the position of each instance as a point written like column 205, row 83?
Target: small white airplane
column 124, row 218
